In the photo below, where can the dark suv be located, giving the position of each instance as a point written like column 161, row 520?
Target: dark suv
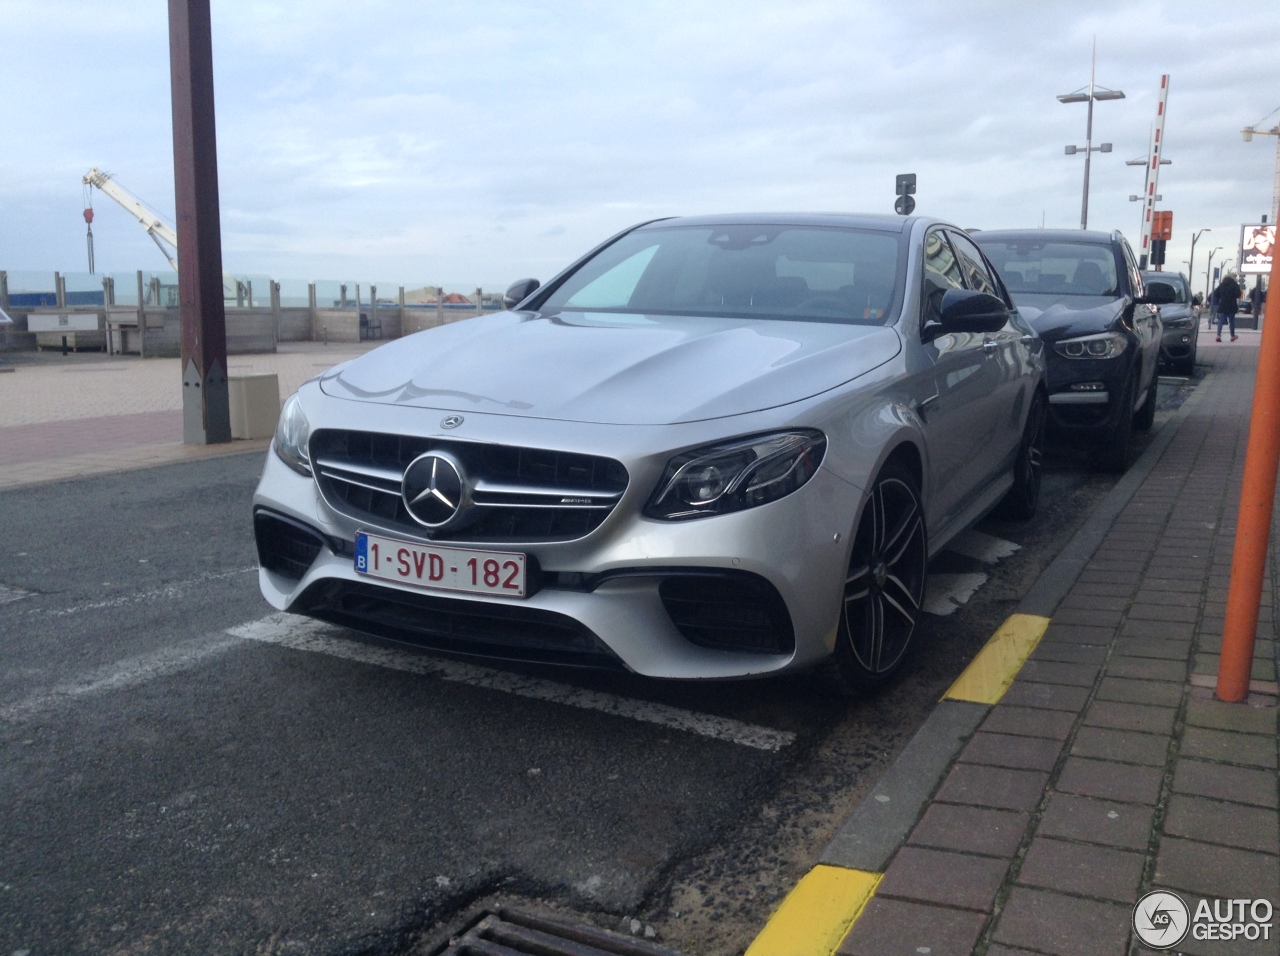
column 1083, row 293
column 1181, row 326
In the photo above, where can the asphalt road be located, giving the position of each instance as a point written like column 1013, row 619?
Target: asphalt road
column 181, row 772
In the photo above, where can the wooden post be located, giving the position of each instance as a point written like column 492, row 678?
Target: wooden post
column 206, row 413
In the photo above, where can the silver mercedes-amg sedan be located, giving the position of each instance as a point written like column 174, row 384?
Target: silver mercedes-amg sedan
column 713, row 447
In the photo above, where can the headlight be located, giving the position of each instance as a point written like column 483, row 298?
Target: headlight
column 293, row 431
column 1105, row 345
column 735, row 475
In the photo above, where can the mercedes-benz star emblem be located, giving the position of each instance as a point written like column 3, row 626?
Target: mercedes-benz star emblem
column 451, row 421
column 434, row 489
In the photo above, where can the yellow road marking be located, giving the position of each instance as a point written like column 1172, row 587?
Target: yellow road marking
column 989, row 674
column 815, row 917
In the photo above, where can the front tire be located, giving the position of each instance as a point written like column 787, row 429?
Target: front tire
column 1145, row 416
column 884, row 587
column 1023, row 498
column 1113, row 455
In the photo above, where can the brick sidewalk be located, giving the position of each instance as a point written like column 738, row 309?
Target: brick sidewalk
column 1109, row 769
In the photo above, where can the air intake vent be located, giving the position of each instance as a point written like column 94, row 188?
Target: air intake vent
column 729, row 611
column 285, row 546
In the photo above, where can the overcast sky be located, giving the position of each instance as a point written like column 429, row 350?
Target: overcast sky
column 471, row 144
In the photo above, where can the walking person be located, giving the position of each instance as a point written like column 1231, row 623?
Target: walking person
column 1226, row 299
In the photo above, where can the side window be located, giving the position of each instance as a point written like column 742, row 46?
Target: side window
column 974, row 266
column 1131, row 269
column 941, row 272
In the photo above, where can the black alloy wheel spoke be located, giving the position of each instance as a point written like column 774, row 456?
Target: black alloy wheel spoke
column 899, row 596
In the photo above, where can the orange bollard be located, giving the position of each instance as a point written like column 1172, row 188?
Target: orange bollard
column 1253, row 528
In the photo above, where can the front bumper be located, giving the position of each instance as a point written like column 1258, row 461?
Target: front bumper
column 749, row 593
column 1085, row 395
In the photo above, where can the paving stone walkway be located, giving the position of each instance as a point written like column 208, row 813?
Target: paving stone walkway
column 1109, row 769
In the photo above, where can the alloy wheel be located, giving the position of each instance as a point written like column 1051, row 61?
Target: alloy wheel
column 885, row 585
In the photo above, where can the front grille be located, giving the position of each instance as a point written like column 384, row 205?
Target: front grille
column 457, row 625
column 731, row 611
column 519, row 494
column 285, row 546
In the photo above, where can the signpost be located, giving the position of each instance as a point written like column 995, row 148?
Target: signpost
column 904, row 205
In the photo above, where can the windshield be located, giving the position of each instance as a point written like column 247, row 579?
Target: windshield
column 1042, row 267
column 1174, row 281
column 808, row 273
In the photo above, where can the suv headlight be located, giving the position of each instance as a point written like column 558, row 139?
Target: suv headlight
column 293, row 431
column 735, row 475
column 1105, row 345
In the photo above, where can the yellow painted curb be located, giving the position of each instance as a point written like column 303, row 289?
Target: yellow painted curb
column 989, row 674
column 815, row 917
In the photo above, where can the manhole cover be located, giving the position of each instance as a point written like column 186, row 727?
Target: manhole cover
column 508, row 932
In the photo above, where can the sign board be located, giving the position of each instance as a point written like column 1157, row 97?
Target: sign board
column 1162, row 224
column 1256, row 245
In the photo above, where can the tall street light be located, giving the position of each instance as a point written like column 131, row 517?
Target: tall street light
column 1088, row 95
column 1191, row 265
column 1208, row 273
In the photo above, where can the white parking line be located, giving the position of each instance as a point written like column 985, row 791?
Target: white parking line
column 945, row 593
column 303, row 634
column 121, row 675
column 166, row 593
column 982, row 547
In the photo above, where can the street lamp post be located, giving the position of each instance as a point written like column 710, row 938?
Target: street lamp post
column 1208, row 275
column 1191, row 265
column 1093, row 92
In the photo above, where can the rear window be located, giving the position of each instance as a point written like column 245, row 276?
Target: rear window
column 1044, row 267
column 808, row 273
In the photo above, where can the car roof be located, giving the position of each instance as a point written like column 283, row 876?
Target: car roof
column 881, row 223
column 1089, row 236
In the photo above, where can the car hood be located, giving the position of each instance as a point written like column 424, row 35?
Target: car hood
column 1059, row 317
column 612, row 368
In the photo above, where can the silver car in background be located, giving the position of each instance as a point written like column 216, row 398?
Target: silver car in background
column 713, row 447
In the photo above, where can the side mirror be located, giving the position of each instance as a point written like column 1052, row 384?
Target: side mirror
column 964, row 310
column 1158, row 293
column 518, row 292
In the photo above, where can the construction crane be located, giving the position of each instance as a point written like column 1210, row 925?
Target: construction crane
column 161, row 232
column 163, row 235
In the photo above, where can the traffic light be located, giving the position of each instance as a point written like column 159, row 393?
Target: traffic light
column 1157, row 252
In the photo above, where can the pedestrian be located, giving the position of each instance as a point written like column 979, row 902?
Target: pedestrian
column 1226, row 298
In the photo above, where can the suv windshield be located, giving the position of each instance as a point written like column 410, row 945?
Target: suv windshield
column 809, row 273
column 1171, row 279
column 1043, row 267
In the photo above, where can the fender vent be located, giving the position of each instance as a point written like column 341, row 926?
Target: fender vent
column 505, row 932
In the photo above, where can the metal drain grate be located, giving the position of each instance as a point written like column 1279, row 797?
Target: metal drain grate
column 505, row 932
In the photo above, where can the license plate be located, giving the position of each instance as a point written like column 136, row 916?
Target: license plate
column 443, row 569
